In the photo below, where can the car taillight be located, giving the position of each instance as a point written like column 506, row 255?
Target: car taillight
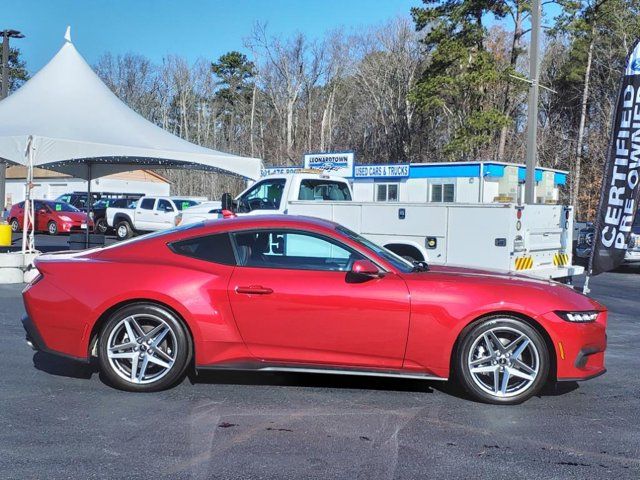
column 178, row 220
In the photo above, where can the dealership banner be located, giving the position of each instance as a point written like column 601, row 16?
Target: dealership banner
column 620, row 193
column 335, row 163
column 381, row 171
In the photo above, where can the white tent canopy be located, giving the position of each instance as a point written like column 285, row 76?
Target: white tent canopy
column 76, row 121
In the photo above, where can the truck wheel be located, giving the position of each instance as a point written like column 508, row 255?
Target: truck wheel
column 15, row 225
column 52, row 228
column 502, row 360
column 101, row 226
column 124, row 230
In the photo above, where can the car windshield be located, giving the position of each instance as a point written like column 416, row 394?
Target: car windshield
column 397, row 261
column 184, row 204
column 61, row 207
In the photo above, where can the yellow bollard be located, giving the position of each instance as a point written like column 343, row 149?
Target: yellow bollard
column 5, row 235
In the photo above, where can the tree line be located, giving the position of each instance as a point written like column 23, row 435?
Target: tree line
column 446, row 82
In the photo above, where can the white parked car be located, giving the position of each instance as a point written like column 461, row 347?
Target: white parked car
column 149, row 214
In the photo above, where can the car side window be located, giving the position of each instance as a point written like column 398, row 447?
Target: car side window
column 211, row 248
column 265, row 195
column 164, row 206
column 147, row 203
column 292, row 250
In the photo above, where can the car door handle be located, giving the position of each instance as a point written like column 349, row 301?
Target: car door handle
column 254, row 290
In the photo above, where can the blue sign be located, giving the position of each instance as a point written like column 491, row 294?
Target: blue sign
column 381, row 171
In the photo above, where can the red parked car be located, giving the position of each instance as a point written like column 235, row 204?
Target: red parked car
column 50, row 216
column 294, row 294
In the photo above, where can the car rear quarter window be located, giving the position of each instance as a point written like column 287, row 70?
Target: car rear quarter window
column 211, row 248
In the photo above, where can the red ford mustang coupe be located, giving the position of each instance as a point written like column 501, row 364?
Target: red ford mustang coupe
column 284, row 293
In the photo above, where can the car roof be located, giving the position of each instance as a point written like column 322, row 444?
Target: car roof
column 270, row 221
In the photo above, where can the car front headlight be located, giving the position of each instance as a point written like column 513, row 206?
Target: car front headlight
column 579, row 317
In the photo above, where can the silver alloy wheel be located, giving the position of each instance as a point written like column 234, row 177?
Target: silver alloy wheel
column 53, row 228
column 503, row 362
column 142, row 348
column 122, row 231
column 15, row 226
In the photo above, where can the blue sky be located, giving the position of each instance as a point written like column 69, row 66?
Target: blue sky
column 190, row 28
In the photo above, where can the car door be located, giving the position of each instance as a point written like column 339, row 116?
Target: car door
column 164, row 215
column 145, row 214
column 42, row 214
column 295, row 301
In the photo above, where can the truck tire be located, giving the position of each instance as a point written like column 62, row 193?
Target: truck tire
column 101, row 225
column 408, row 252
column 124, row 230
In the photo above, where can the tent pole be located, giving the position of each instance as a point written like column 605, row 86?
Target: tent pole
column 28, row 218
column 89, row 204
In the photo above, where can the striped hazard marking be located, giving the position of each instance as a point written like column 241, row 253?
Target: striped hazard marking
column 560, row 259
column 524, row 263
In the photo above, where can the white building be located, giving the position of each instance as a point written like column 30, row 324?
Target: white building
column 49, row 185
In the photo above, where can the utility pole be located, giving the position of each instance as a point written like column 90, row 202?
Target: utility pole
column 4, row 91
column 532, row 114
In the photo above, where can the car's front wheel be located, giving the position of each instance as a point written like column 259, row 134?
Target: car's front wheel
column 15, row 225
column 52, row 228
column 143, row 348
column 502, row 360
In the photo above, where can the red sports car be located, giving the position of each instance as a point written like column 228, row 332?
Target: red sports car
column 284, row 293
column 50, row 216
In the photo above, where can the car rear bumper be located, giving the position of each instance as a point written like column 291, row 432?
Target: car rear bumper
column 553, row 272
column 37, row 343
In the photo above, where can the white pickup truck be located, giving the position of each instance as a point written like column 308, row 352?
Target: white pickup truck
column 534, row 240
column 148, row 215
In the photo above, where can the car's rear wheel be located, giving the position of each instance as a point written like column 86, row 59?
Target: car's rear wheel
column 52, row 228
column 143, row 348
column 15, row 225
column 101, row 226
column 123, row 230
column 502, row 360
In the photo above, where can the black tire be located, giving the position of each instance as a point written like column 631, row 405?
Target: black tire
column 101, row 226
column 506, row 329
column 52, row 228
column 178, row 339
column 15, row 225
column 124, row 230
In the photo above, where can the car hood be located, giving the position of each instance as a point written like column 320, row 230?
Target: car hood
column 499, row 288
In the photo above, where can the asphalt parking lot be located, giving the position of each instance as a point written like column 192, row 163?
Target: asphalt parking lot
column 59, row 420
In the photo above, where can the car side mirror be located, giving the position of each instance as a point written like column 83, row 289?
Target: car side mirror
column 365, row 268
column 227, row 202
column 42, row 211
column 168, row 208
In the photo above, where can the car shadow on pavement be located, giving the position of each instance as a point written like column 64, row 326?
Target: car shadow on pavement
column 56, row 365
column 317, row 380
column 551, row 389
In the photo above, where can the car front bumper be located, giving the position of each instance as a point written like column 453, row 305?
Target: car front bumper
column 579, row 347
